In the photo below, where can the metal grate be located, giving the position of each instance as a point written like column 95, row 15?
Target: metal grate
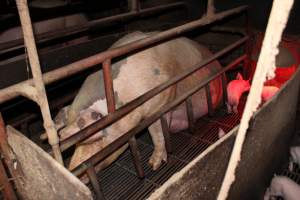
column 119, row 181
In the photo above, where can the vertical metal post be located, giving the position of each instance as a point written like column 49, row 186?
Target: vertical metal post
column 108, row 83
column 133, row 5
column 190, row 113
column 7, row 189
column 165, row 129
column 209, row 100
column 96, row 186
column 224, row 88
column 247, row 47
column 210, row 8
column 136, row 157
column 39, row 91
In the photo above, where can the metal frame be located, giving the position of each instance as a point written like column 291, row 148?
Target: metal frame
column 35, row 88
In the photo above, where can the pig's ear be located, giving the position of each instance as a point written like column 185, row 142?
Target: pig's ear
column 239, row 76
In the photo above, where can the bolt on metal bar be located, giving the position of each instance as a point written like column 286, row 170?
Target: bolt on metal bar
column 136, row 157
column 94, row 181
column 70, row 69
column 39, row 88
column 209, row 100
column 109, row 119
column 125, row 137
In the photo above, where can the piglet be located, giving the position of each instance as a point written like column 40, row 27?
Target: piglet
column 284, row 187
column 235, row 89
column 268, row 92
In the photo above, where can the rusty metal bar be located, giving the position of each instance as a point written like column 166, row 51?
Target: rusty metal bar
column 166, row 132
column 224, row 87
column 136, row 157
column 70, row 69
column 96, row 186
column 209, row 100
column 16, row 44
column 190, row 113
column 108, row 83
column 5, row 184
column 39, row 87
column 109, row 119
column 125, row 137
column 8, row 154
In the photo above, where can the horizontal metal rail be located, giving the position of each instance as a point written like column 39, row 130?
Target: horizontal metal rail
column 111, row 118
column 16, row 44
column 106, row 151
column 70, row 69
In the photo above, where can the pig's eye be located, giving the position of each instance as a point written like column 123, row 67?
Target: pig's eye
column 96, row 115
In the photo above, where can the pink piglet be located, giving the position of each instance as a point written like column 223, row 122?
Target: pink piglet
column 268, row 92
column 235, row 89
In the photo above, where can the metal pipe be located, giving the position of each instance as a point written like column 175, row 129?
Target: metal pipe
column 133, row 5
column 108, row 83
column 210, row 8
column 166, row 132
column 224, row 86
column 70, row 69
column 209, row 100
column 37, row 78
column 5, row 185
column 190, row 113
column 96, row 186
column 8, row 154
column 16, row 44
column 109, row 119
column 137, row 161
column 106, row 151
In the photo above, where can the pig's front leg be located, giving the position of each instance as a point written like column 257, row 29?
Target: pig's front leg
column 229, row 108
column 159, row 154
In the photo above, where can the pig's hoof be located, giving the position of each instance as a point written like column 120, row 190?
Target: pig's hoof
column 157, row 158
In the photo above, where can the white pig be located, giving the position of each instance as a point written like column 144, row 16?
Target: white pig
column 132, row 77
column 268, row 92
column 235, row 89
column 284, row 187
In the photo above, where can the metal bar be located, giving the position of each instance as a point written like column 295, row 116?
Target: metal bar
column 8, row 154
column 108, row 83
column 70, row 69
column 166, row 132
column 210, row 8
column 125, row 137
column 16, row 44
column 136, row 157
column 190, row 113
column 96, row 186
column 224, row 87
column 109, row 119
column 7, row 189
column 209, row 100
column 41, row 97
column 133, row 5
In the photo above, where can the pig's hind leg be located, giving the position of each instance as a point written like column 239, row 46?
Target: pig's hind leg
column 159, row 154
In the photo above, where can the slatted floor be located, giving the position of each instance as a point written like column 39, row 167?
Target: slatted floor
column 119, row 181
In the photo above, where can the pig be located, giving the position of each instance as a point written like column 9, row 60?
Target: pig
column 132, row 77
column 235, row 89
column 268, row 92
column 284, row 187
